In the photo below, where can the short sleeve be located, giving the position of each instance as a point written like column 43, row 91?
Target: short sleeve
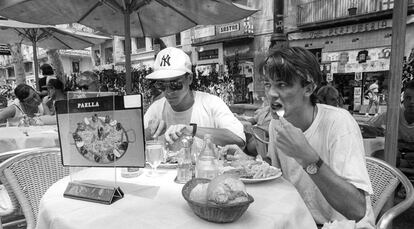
column 347, row 156
column 154, row 112
column 224, row 118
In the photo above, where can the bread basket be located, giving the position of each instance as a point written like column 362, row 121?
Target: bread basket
column 213, row 212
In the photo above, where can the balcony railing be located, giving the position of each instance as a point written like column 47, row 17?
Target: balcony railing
column 326, row 10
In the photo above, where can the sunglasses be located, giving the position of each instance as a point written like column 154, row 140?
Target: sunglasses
column 83, row 87
column 174, row 85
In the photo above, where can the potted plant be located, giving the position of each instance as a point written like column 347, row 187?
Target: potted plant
column 353, row 8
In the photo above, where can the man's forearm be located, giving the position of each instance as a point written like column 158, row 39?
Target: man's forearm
column 341, row 195
column 220, row 136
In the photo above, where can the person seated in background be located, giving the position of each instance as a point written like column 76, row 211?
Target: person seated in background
column 29, row 104
column 328, row 95
column 47, row 73
column 405, row 125
column 318, row 147
column 261, row 119
column 171, row 115
column 56, row 92
column 88, row 81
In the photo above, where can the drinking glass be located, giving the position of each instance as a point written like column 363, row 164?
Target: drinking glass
column 154, row 153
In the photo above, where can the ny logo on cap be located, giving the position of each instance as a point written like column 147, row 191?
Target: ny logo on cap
column 165, row 60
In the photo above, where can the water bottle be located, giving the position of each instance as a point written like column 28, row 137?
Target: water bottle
column 184, row 169
column 207, row 163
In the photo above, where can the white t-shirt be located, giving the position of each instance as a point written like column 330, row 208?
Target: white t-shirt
column 207, row 111
column 335, row 135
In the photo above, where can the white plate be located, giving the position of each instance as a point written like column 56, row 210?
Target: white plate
column 252, row 181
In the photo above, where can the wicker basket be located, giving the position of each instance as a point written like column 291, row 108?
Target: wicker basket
column 212, row 212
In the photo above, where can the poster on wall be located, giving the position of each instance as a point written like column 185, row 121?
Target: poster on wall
column 364, row 60
column 358, row 76
column 329, row 77
column 357, row 98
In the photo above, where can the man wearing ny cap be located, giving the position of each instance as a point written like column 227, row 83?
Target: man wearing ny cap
column 181, row 106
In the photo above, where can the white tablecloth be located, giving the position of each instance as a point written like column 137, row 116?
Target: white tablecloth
column 14, row 138
column 158, row 203
column 373, row 144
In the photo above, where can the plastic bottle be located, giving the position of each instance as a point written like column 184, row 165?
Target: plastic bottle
column 184, row 169
column 207, row 163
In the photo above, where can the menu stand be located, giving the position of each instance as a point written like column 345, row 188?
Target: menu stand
column 93, row 192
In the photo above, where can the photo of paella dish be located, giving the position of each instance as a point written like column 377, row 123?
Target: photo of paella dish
column 100, row 139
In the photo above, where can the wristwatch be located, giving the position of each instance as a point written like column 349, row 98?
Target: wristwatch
column 313, row 168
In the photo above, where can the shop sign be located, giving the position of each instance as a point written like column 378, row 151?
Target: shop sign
column 205, row 31
column 342, row 30
column 229, row 28
column 4, row 50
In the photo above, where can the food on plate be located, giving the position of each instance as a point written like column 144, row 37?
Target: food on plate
column 251, row 169
column 226, row 189
column 199, row 193
column 100, row 139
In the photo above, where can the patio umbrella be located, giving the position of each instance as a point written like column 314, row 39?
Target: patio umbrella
column 45, row 36
column 140, row 18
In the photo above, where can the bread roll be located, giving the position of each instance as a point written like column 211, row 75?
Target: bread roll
column 226, row 189
column 199, row 193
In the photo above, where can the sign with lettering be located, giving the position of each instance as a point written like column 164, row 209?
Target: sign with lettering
column 4, row 50
column 342, row 30
column 204, row 31
column 93, row 192
column 103, row 131
column 227, row 28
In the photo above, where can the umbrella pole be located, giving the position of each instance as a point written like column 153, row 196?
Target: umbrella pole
column 127, row 53
column 35, row 63
column 399, row 21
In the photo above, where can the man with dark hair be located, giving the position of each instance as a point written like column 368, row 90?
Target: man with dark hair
column 56, row 92
column 47, row 73
column 328, row 95
column 406, row 120
column 318, row 147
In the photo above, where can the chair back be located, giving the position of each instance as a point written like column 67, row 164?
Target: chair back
column 30, row 174
column 15, row 207
column 261, row 135
column 385, row 179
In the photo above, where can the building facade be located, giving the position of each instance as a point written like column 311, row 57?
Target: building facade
column 352, row 40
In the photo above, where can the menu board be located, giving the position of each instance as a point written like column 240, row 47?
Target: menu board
column 101, row 131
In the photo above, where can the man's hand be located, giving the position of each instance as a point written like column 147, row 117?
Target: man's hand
column 291, row 141
column 156, row 127
column 47, row 100
column 174, row 132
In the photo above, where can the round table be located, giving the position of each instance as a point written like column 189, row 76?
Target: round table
column 14, row 138
column 157, row 203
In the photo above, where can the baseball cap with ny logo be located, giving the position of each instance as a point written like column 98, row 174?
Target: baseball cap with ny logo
column 169, row 63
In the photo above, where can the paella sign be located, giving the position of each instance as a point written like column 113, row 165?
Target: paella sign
column 102, row 131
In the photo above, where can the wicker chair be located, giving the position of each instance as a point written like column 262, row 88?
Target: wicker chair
column 385, row 179
column 14, row 210
column 29, row 175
